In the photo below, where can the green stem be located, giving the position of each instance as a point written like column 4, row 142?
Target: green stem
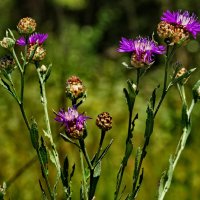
column 17, row 61
column 83, row 149
column 180, row 146
column 84, row 178
column 52, row 196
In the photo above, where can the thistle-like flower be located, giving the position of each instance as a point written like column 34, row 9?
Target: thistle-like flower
column 177, row 26
column 35, row 38
column 73, row 122
column 142, row 49
column 26, row 25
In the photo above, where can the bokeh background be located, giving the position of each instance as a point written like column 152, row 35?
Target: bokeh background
column 83, row 37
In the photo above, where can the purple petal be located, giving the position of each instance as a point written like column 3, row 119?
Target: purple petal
column 21, row 41
column 126, row 45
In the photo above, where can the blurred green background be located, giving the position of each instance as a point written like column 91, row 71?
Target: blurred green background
column 83, row 37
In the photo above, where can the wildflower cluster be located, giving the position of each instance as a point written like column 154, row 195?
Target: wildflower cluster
column 175, row 28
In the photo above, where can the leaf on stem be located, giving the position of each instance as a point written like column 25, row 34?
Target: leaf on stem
column 130, row 94
column 196, row 91
column 184, row 76
column 153, row 97
column 104, row 152
column 149, row 122
column 34, row 134
column 47, row 74
column 44, row 156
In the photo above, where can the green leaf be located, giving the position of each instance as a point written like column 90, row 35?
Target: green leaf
column 184, row 76
column 153, row 97
column 48, row 72
column 185, row 118
column 44, row 196
column 34, row 134
column 43, row 156
column 149, row 122
column 196, row 91
column 65, row 172
column 104, row 152
column 95, row 179
column 130, row 94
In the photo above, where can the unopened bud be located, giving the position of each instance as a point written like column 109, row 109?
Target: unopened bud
column 180, row 73
column 43, row 69
column 7, row 42
column 104, row 121
column 75, row 88
column 26, row 25
column 7, row 63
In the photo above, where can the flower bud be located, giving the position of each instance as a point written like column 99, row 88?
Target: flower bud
column 7, row 42
column 180, row 73
column 36, row 53
column 104, row 121
column 7, row 63
column 75, row 88
column 43, row 69
column 26, row 25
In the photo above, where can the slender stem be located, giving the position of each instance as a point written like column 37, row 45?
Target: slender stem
column 84, row 178
column 16, row 60
column 180, row 146
column 103, row 133
column 83, row 149
column 45, row 176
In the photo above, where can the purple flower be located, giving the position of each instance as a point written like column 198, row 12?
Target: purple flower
column 35, row 38
column 142, row 49
column 72, row 121
column 21, row 41
column 184, row 19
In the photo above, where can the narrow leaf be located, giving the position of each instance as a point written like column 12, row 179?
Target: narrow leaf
column 196, row 91
column 48, row 72
column 43, row 155
column 149, row 122
column 34, row 134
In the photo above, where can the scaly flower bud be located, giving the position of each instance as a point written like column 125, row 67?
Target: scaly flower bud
column 7, row 42
column 180, row 73
column 36, row 53
column 75, row 88
column 104, row 121
column 7, row 63
column 26, row 25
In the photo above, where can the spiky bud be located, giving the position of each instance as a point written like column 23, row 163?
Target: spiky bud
column 7, row 42
column 36, row 53
column 180, row 73
column 104, row 121
column 26, row 25
column 7, row 63
column 75, row 88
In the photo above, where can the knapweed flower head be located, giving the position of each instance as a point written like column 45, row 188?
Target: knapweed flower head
column 36, row 53
column 7, row 42
column 7, row 63
column 73, row 122
column 26, row 25
column 75, row 88
column 178, row 25
column 142, row 50
column 35, row 38
column 104, row 121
